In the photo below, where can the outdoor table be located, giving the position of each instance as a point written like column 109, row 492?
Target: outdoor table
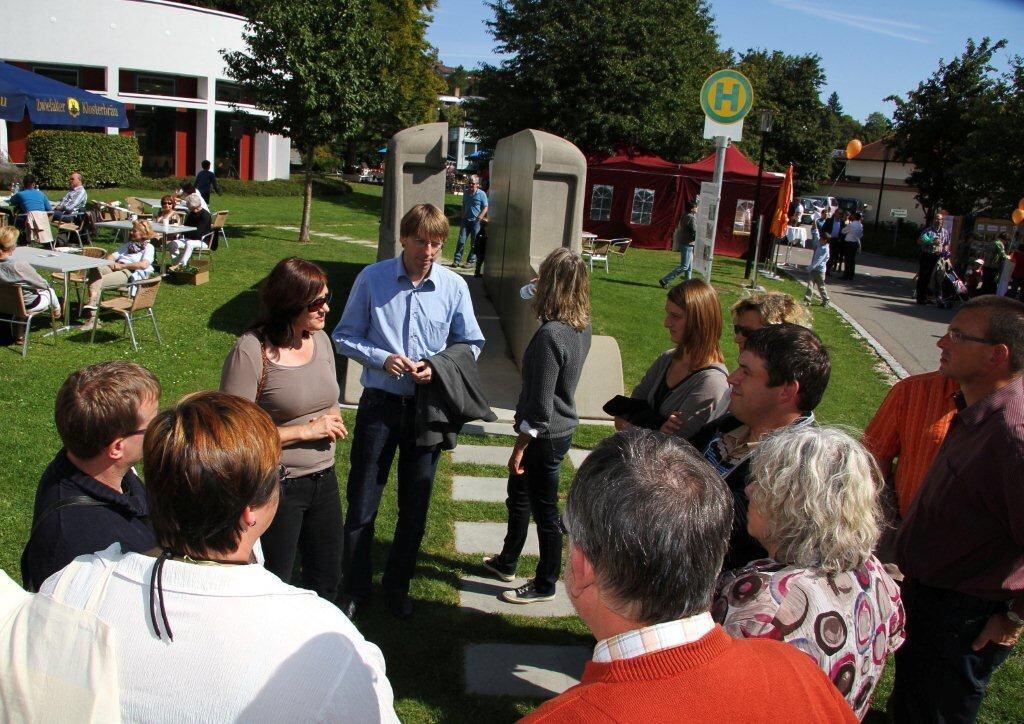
column 155, row 203
column 59, row 262
column 797, row 235
column 164, row 230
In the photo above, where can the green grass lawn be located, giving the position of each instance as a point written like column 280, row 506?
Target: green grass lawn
column 199, row 325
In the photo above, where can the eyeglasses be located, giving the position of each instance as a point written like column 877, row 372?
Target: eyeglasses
column 956, row 337
column 317, row 304
column 742, row 331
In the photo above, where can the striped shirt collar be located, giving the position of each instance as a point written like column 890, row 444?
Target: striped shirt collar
column 651, row 639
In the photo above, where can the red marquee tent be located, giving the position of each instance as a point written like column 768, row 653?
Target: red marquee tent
column 643, row 196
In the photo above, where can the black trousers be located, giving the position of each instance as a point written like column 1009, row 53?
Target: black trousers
column 849, row 259
column 536, row 492
column 939, row 677
column 308, row 520
column 925, row 266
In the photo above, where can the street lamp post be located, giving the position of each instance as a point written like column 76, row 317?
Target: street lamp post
column 767, row 117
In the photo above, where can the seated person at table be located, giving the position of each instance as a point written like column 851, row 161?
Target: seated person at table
column 132, row 262
column 814, row 507
column 182, row 247
column 30, row 198
column 188, row 191
column 167, row 214
column 74, row 200
column 41, row 294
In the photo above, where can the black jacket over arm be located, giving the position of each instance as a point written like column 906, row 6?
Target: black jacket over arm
column 454, row 397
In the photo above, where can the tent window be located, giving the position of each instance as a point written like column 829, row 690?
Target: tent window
column 601, row 203
column 643, row 205
column 744, row 215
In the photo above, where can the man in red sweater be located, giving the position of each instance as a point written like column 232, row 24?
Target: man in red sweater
column 649, row 522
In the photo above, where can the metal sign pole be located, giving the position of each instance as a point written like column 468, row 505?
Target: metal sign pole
column 721, row 144
column 757, row 249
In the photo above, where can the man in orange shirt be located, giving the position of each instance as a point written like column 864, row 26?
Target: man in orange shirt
column 649, row 521
column 908, row 429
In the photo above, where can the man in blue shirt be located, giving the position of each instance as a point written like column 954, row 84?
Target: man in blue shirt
column 399, row 313
column 30, row 198
column 474, row 210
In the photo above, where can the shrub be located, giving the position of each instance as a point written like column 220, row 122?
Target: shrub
column 278, row 187
column 103, row 160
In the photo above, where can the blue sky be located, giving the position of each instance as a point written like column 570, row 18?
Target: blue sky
column 869, row 49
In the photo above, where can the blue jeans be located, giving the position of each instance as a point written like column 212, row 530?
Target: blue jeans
column 308, row 519
column 470, row 228
column 536, row 490
column 685, row 265
column 939, row 677
column 385, row 423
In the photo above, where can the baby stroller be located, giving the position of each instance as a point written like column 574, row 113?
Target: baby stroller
column 947, row 287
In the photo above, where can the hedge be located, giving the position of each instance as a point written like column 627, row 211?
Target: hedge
column 103, row 160
column 322, row 186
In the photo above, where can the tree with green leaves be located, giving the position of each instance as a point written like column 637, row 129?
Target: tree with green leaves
column 804, row 131
column 314, row 67
column 602, row 73
column 935, row 123
column 876, row 126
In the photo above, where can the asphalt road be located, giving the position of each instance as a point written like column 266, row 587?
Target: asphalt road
column 881, row 299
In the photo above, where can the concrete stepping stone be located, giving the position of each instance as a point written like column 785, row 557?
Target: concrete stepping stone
column 577, row 456
column 481, row 454
column 489, row 490
column 489, row 537
column 478, row 593
column 523, row 670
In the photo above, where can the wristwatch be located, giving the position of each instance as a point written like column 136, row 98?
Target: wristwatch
column 1015, row 619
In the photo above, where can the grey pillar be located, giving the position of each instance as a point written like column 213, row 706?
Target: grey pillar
column 414, row 174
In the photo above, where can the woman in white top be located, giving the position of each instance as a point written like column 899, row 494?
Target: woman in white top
column 203, row 632
column 853, row 232
column 132, row 262
column 38, row 293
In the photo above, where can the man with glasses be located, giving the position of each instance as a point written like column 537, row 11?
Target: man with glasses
column 961, row 545
column 399, row 313
column 89, row 496
column 474, row 210
column 74, row 200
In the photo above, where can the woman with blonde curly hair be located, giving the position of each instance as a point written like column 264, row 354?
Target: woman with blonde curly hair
column 545, row 419
column 763, row 308
column 814, row 507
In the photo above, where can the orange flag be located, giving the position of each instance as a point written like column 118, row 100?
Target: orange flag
column 781, row 218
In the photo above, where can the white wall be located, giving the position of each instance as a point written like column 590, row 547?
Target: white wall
column 140, row 35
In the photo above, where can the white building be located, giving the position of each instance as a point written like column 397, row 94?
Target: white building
column 863, row 179
column 163, row 60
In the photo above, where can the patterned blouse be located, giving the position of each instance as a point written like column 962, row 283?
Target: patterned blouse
column 848, row 623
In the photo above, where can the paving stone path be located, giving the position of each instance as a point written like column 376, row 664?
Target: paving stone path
column 508, row 669
column 334, row 237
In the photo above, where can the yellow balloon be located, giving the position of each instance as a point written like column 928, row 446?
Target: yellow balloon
column 1017, row 216
column 853, row 148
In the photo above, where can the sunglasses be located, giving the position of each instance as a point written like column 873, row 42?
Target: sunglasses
column 742, row 331
column 317, row 304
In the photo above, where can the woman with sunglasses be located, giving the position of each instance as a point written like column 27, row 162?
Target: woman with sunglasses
column 201, row 631
column 285, row 363
column 167, row 213
column 683, row 385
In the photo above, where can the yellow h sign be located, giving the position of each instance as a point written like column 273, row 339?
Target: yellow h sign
column 726, row 96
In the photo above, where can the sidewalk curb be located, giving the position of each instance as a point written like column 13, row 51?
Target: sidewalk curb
column 890, row 361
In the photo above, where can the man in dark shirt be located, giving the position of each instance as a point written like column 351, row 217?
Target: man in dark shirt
column 782, row 374
column 206, row 181
column 961, row 545
column 89, row 496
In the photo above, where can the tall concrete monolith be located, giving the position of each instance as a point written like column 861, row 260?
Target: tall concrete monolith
column 414, row 174
column 536, row 201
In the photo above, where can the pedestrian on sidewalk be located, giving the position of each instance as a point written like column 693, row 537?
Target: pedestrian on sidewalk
column 816, row 269
column 683, row 240
column 853, row 232
column 831, row 235
column 474, row 210
column 545, row 419
column 932, row 242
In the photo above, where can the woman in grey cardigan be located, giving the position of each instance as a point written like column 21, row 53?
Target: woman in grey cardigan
column 545, row 419
column 684, row 384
